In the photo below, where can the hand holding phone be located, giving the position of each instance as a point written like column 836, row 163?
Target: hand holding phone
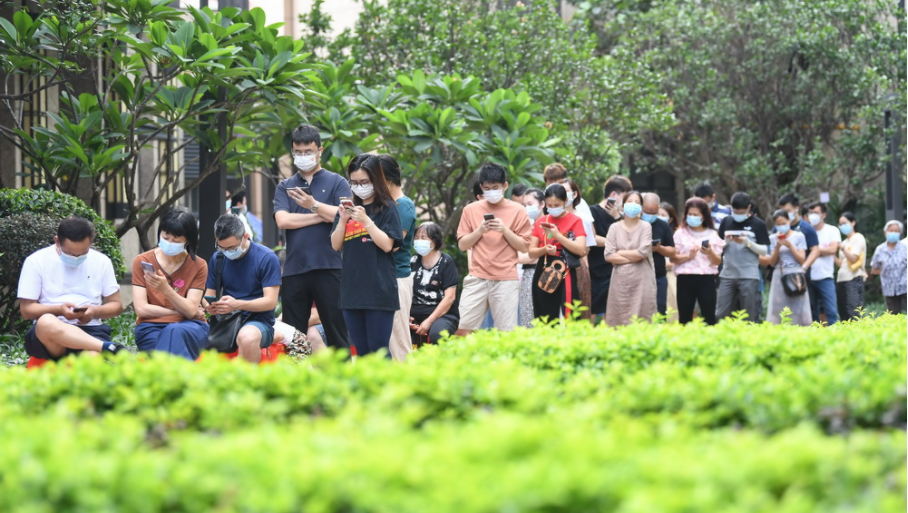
column 656, row 242
column 210, row 299
column 704, row 244
column 305, row 188
column 346, row 204
column 488, row 217
column 147, row 267
column 81, row 309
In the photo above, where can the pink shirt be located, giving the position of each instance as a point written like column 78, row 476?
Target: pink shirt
column 686, row 239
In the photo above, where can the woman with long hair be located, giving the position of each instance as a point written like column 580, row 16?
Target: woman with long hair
column 168, row 284
column 367, row 230
column 584, row 283
column 629, row 248
column 699, row 253
column 850, row 259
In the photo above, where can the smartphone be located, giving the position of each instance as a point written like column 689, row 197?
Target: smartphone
column 346, row 203
column 656, row 242
column 306, row 189
column 235, row 210
column 611, row 201
column 211, row 299
column 81, row 309
column 547, row 225
column 488, row 217
column 704, row 244
column 147, row 267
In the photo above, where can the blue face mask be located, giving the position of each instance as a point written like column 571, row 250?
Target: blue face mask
column 739, row 218
column 694, row 221
column 666, row 218
column 422, row 247
column 845, row 229
column 235, row 253
column 532, row 211
column 556, row 212
column 782, row 229
column 892, row 237
column 171, row 249
column 72, row 261
column 650, row 218
column 632, row 209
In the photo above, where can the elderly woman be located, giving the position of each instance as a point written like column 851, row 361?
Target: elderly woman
column 890, row 261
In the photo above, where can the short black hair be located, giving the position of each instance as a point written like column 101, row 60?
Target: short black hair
column 536, row 193
column 237, row 198
column 519, row 189
column 75, row 229
column 704, row 190
column 305, row 134
column 805, row 210
column 491, row 172
column 477, row 189
column 391, row 168
column 555, row 190
column 789, row 199
column 228, row 225
column 816, row 204
column 433, row 232
column 780, row 214
column 740, row 200
column 179, row 222
column 616, row 183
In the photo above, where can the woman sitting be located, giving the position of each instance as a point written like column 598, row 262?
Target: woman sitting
column 168, row 283
column 435, row 307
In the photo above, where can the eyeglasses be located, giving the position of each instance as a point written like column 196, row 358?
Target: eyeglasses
column 307, row 153
column 234, row 248
column 354, row 183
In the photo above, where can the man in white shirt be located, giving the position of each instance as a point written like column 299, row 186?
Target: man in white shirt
column 822, row 271
column 67, row 289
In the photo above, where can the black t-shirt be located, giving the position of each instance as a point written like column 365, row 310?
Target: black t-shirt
column 599, row 268
column 663, row 232
column 429, row 286
column 369, row 276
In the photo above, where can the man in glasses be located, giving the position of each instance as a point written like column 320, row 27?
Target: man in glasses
column 305, row 206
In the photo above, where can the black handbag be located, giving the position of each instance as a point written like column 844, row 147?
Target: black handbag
column 572, row 260
column 794, row 284
column 223, row 328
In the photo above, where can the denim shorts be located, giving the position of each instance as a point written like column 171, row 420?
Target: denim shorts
column 266, row 330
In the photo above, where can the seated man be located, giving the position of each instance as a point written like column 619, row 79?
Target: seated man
column 67, row 289
column 251, row 281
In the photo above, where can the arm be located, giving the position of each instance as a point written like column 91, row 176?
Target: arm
column 577, row 247
column 829, row 250
column 666, row 251
column 187, row 306
column 144, row 308
column 525, row 258
column 757, row 249
column 265, row 303
column 600, row 241
column 468, row 241
column 31, row 310
column 852, row 258
column 443, row 306
column 111, row 307
column 379, row 237
column 630, row 255
column 535, row 251
column 337, row 236
column 516, row 241
column 617, row 259
column 287, row 221
column 814, row 253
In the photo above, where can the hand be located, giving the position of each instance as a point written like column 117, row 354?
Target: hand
column 225, row 305
column 785, row 242
column 157, row 281
column 66, row 311
column 344, row 216
column 738, row 239
column 694, row 251
column 551, row 250
column 301, row 198
column 360, row 216
column 496, row 225
column 612, row 209
column 708, row 250
column 423, row 329
column 550, row 232
column 87, row 316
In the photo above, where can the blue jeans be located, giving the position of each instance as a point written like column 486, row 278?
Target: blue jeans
column 662, row 294
column 370, row 330
column 822, row 292
column 184, row 338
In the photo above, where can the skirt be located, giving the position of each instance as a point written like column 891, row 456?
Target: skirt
column 850, row 296
column 778, row 300
column 526, row 296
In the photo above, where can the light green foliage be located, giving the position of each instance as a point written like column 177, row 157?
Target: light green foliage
column 735, row 417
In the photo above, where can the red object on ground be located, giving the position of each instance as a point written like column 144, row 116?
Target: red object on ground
column 34, row 363
column 269, row 355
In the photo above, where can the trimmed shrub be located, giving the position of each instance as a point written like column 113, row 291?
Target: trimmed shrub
column 28, row 222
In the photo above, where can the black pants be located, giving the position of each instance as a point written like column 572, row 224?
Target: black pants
column 551, row 306
column 447, row 322
column 696, row 288
column 323, row 287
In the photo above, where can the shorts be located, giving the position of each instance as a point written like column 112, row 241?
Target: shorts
column 34, row 347
column 266, row 330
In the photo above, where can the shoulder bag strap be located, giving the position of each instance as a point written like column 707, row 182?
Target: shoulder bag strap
column 218, row 275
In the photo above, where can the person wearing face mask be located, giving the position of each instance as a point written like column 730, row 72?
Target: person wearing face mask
column 707, row 193
column 663, row 248
column 312, row 272
column 250, row 221
column 584, row 285
column 789, row 203
column 605, row 213
column 746, row 241
column 367, row 232
column 554, row 233
column 851, row 276
column 251, row 281
column 669, row 215
column 435, row 278
column 168, row 282
column 822, row 271
column 495, row 242
column 787, row 253
column 699, row 253
column 629, row 248
column 534, row 202
column 66, row 289
column 890, row 263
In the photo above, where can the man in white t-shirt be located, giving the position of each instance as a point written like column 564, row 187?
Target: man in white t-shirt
column 822, row 271
column 67, row 289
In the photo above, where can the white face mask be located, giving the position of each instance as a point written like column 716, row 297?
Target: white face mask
column 493, row 196
column 570, row 198
column 532, row 211
column 305, row 163
column 814, row 219
column 363, row 191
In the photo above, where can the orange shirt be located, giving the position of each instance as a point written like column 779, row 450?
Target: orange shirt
column 493, row 258
column 191, row 275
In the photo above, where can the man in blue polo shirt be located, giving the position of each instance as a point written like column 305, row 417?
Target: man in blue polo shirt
column 305, row 206
column 707, row 193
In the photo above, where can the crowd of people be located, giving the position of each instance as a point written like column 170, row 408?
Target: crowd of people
column 349, row 279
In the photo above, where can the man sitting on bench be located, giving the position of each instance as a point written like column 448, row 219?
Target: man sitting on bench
column 67, row 288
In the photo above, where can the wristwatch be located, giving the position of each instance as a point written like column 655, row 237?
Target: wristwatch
column 314, row 207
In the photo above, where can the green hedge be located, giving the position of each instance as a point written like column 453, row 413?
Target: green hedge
column 646, row 418
column 28, row 222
